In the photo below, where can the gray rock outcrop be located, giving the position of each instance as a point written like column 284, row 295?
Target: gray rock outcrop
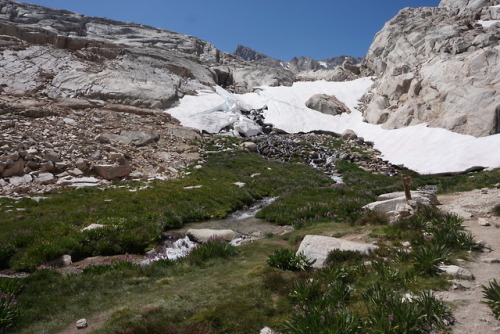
column 457, row 272
column 316, row 247
column 439, row 66
column 425, row 194
column 389, row 203
column 248, row 77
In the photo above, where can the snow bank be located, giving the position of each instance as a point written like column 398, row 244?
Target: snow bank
column 487, row 24
column 425, row 150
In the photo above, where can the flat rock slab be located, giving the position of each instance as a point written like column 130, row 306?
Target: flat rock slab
column 205, row 235
column 316, row 247
column 457, row 272
column 431, row 196
column 390, row 205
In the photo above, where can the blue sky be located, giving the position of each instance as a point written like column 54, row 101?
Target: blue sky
column 279, row 28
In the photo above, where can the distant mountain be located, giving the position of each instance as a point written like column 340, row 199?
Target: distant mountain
column 296, row 64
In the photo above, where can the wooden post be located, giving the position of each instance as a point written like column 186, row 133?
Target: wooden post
column 406, row 186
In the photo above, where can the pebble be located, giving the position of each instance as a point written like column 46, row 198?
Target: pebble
column 81, row 324
column 483, row 222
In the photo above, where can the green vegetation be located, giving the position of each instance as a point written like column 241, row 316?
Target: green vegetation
column 338, row 256
column 220, row 289
column 134, row 220
column 386, row 291
column 8, row 304
column 496, row 210
column 337, row 202
column 210, row 250
column 286, row 259
column 465, row 182
column 492, row 295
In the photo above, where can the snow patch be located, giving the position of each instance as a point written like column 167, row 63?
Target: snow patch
column 420, row 148
column 487, row 24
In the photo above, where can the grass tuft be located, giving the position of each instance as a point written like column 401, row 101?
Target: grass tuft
column 496, row 210
column 492, row 295
column 286, row 259
column 212, row 249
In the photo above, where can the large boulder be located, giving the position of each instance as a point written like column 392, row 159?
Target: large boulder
column 389, row 206
column 438, row 66
column 316, row 247
column 13, row 168
column 429, row 195
column 327, row 104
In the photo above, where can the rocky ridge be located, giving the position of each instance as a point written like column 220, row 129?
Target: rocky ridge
column 339, row 68
column 296, row 64
column 439, row 66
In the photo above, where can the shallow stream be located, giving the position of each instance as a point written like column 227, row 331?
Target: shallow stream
column 243, row 222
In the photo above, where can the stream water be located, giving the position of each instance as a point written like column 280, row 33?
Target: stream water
column 243, row 222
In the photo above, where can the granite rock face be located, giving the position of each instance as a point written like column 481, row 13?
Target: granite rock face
column 56, row 53
column 439, row 66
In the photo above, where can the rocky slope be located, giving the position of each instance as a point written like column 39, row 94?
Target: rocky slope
column 57, row 53
column 81, row 97
column 439, row 66
column 78, row 143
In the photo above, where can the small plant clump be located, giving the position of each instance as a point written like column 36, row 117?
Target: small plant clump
column 492, row 295
column 7, row 250
column 428, row 258
column 338, row 256
column 391, row 312
column 286, row 259
column 496, row 210
column 372, row 218
column 215, row 248
column 8, row 303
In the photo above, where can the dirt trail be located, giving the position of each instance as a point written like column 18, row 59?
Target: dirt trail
column 472, row 317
